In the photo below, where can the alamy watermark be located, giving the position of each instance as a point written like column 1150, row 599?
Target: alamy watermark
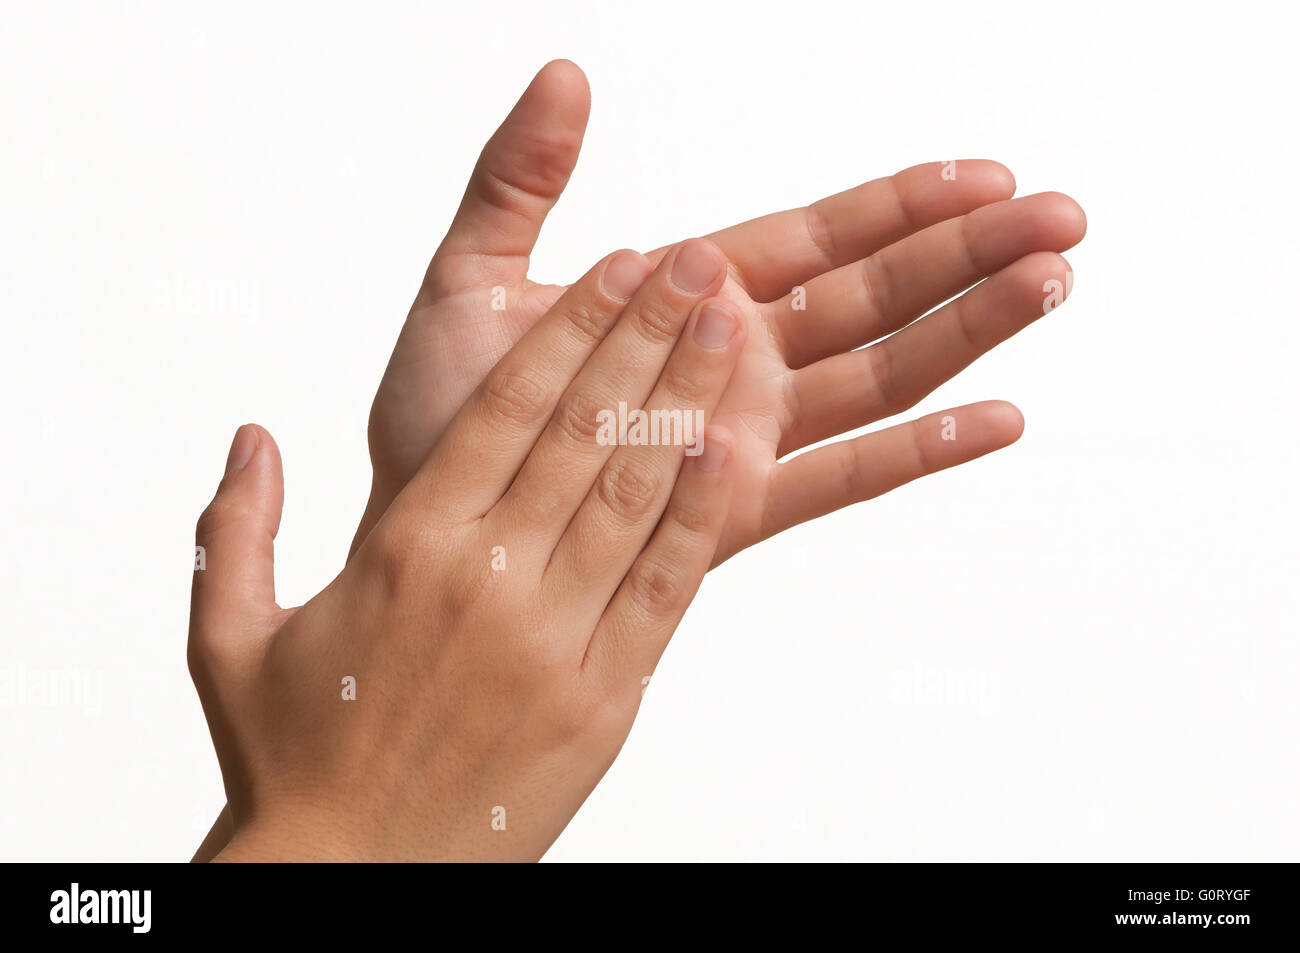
column 654, row 428
column 24, row 687
column 184, row 296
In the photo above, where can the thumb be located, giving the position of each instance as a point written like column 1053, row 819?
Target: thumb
column 519, row 177
column 234, row 583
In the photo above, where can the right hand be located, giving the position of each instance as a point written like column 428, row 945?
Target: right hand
column 498, row 624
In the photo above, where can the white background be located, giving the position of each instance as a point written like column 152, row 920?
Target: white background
column 1083, row 647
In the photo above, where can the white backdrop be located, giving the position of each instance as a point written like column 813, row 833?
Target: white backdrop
column 1082, row 647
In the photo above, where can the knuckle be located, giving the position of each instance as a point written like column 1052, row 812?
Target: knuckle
column 968, row 229
column 215, row 515
column 689, row 384
column 392, row 552
column 819, row 231
column 656, row 589
column 550, row 154
column 965, row 327
column 532, row 509
column 657, row 322
column 531, row 661
column 577, row 420
column 208, row 520
column 539, row 653
column 883, row 375
column 511, row 397
column 465, row 592
column 219, row 650
column 201, row 655
column 921, row 462
column 593, row 716
column 525, row 506
column 627, row 489
column 588, row 322
column 691, row 517
column 854, row 471
column 206, row 659
column 878, row 283
column 498, row 191
column 221, row 655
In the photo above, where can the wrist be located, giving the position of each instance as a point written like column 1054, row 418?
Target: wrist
column 298, row 836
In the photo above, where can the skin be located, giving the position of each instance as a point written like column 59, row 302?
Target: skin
column 871, row 260
column 863, row 266
column 485, row 690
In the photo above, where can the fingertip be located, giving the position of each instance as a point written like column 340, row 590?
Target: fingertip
column 717, row 324
column 1069, row 216
column 269, row 450
column 1039, row 272
column 935, row 191
column 234, row 573
column 243, row 446
column 563, row 70
column 547, row 124
column 1006, row 422
column 565, row 81
column 624, row 272
column 698, row 267
column 266, row 445
column 1000, row 180
column 254, row 472
column 1069, row 274
column 988, row 178
column 1007, row 176
column 704, row 247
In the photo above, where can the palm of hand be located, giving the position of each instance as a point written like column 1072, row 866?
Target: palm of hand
column 445, row 349
column 873, row 260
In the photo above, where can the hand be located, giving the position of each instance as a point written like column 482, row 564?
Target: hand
column 869, row 261
column 499, row 622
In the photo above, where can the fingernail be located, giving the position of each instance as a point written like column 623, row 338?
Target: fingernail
column 715, row 327
column 714, row 455
column 695, row 267
column 241, row 449
column 624, row 274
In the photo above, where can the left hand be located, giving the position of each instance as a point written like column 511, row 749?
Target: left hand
column 869, row 260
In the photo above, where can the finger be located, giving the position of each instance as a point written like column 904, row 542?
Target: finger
column 772, row 254
column 621, row 509
column 649, row 603
column 860, row 387
column 626, row 368
column 488, row 440
column 234, row 582
column 519, row 177
column 855, row 304
column 829, row 478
